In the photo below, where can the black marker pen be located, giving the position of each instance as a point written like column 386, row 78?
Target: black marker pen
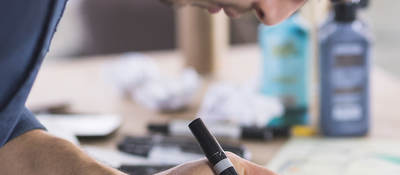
column 212, row 149
column 225, row 131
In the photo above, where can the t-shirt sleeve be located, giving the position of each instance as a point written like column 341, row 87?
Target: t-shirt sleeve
column 26, row 29
column 26, row 122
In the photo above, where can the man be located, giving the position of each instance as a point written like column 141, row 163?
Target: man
column 26, row 29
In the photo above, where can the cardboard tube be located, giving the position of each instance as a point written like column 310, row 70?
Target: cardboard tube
column 203, row 38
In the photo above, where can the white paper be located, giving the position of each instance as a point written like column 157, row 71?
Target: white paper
column 317, row 156
column 82, row 125
column 225, row 102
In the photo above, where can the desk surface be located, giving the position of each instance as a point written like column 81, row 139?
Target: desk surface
column 83, row 84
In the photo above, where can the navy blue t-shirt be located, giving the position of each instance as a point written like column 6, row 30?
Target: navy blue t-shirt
column 26, row 29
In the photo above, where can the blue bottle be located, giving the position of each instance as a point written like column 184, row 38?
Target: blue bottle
column 344, row 46
column 285, row 68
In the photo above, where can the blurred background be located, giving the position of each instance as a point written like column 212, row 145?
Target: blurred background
column 120, row 74
column 94, row 27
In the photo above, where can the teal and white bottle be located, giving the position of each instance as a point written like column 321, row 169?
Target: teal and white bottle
column 285, row 67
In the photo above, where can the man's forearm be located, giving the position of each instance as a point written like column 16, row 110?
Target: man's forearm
column 36, row 152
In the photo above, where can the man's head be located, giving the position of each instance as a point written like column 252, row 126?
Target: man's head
column 268, row 11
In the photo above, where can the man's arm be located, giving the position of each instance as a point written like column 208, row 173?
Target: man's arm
column 37, row 152
column 26, row 31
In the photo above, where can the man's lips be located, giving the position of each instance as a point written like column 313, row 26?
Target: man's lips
column 231, row 12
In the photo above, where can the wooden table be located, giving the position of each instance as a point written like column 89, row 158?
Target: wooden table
column 83, row 83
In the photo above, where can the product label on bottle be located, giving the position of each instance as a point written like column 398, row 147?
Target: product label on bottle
column 285, row 70
column 348, row 82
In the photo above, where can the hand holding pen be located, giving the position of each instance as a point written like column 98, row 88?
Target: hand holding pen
column 203, row 167
column 218, row 162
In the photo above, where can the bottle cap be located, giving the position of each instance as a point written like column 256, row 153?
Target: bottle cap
column 346, row 11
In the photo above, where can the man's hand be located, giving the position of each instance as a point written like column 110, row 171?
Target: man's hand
column 38, row 153
column 268, row 11
column 202, row 167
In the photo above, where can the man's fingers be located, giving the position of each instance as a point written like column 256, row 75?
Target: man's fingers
column 245, row 167
column 237, row 163
column 254, row 169
column 203, row 167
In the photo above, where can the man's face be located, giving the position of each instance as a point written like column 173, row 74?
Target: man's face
column 268, row 11
column 274, row 11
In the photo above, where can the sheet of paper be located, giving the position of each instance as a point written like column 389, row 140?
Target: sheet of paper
column 317, row 156
column 83, row 124
column 114, row 158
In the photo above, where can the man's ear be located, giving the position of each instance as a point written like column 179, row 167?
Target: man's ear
column 271, row 12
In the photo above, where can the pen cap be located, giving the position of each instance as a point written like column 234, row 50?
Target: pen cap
column 158, row 128
column 257, row 133
column 208, row 142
